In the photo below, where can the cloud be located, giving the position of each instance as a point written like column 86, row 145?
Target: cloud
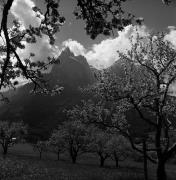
column 76, row 47
column 104, row 54
column 171, row 36
column 22, row 10
column 100, row 55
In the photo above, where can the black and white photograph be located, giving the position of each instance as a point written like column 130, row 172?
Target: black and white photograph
column 87, row 89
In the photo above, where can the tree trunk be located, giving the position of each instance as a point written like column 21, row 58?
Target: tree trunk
column 161, row 172
column 5, row 148
column 40, row 155
column 117, row 163
column 74, row 159
column 145, row 159
column 58, row 155
column 73, row 153
column 116, row 160
column 102, row 160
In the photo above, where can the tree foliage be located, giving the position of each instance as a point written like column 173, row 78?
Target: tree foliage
column 150, row 74
column 11, row 133
column 119, row 148
column 74, row 136
column 40, row 147
column 104, row 141
column 12, row 65
column 57, row 142
column 99, row 144
column 102, row 17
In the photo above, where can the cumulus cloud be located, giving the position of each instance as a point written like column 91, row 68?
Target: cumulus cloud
column 104, row 54
column 76, row 47
column 22, row 10
column 171, row 36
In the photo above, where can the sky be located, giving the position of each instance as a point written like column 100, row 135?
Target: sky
column 101, row 52
column 157, row 17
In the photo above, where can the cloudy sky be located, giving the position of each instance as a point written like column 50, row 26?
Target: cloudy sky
column 101, row 52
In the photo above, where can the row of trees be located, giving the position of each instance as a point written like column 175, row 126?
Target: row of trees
column 76, row 138
column 73, row 137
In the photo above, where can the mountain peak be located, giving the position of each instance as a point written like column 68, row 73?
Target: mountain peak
column 73, row 71
column 67, row 56
column 66, row 52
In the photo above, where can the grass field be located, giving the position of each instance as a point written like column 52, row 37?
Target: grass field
column 87, row 167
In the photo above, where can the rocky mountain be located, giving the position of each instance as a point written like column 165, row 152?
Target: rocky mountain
column 73, row 71
column 43, row 112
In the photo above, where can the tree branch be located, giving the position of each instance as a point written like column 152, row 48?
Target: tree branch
column 140, row 113
column 4, row 28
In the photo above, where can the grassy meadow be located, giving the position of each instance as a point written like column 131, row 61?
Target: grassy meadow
column 23, row 163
